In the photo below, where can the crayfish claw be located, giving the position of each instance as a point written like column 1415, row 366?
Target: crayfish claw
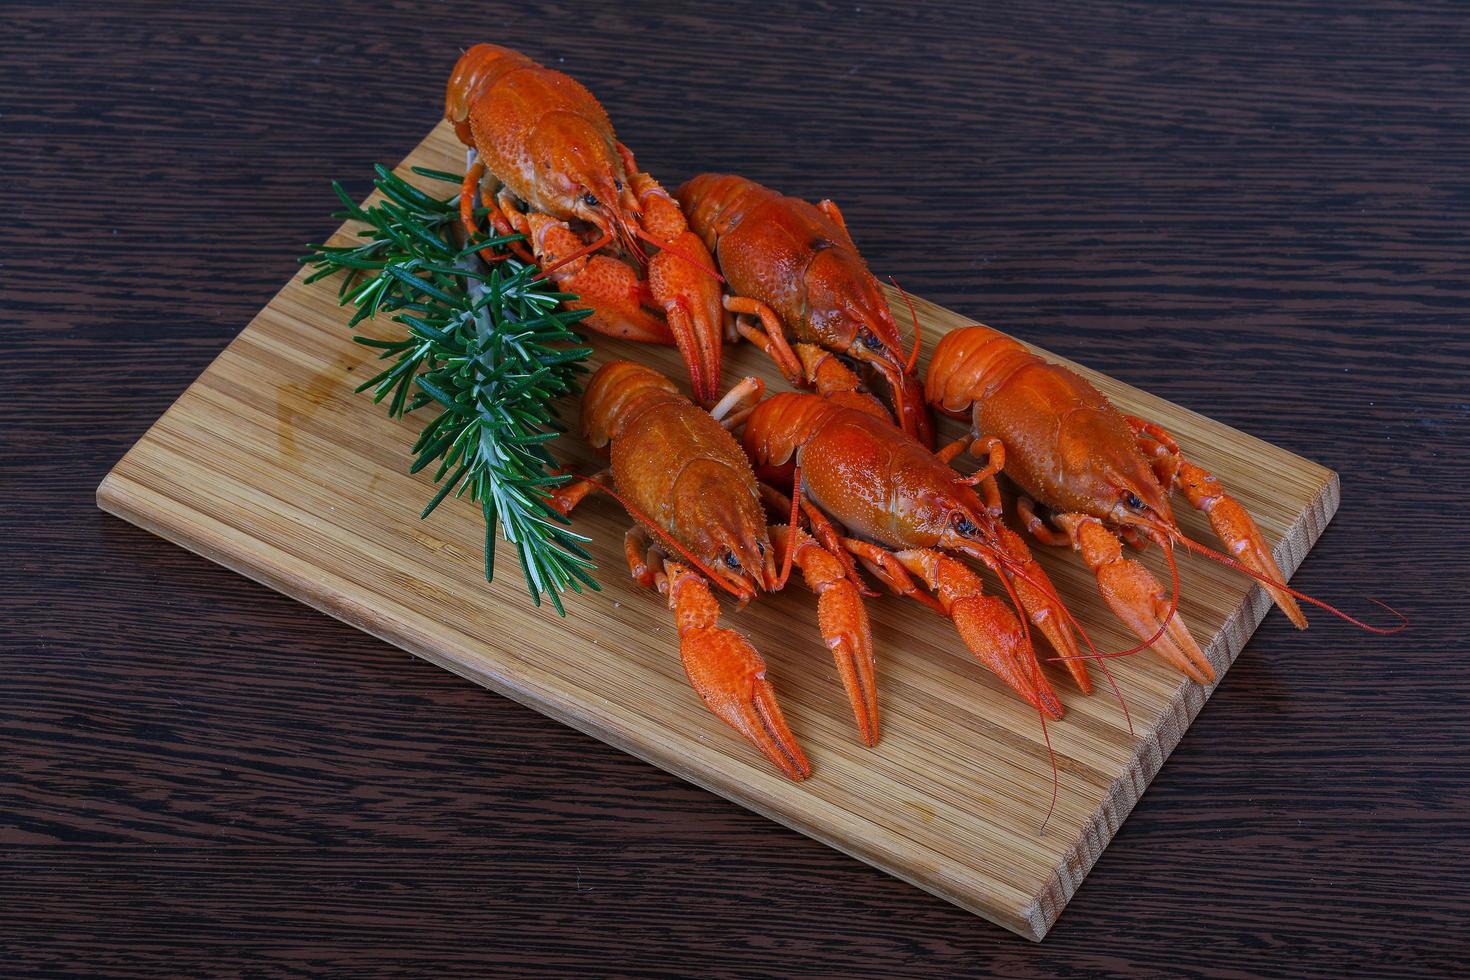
column 996, row 639
column 844, row 624
column 682, row 285
column 729, row 675
column 986, row 624
column 1137, row 598
column 1233, row 525
column 1043, row 606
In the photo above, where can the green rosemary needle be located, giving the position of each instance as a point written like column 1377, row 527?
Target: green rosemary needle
column 488, row 346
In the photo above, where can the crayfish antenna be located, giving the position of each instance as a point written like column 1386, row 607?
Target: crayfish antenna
column 676, row 253
column 918, row 331
column 1264, row 579
column 744, row 595
column 1055, row 777
column 587, row 249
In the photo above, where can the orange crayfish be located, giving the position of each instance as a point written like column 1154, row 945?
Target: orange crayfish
column 561, row 178
column 905, row 509
column 699, row 521
column 1100, row 475
column 793, row 267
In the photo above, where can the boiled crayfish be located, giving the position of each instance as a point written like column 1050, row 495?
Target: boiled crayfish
column 903, row 510
column 576, row 193
column 793, row 267
column 699, row 520
column 1100, row 475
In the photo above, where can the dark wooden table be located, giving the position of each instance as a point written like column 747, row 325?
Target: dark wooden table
column 1257, row 210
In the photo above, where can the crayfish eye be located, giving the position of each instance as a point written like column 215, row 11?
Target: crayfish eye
column 870, row 341
column 589, row 200
column 617, row 184
column 1131, row 499
column 731, row 562
column 964, row 527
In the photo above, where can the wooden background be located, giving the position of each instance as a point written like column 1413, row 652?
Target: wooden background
column 1260, row 211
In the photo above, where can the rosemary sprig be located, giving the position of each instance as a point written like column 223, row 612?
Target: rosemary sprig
column 486, row 345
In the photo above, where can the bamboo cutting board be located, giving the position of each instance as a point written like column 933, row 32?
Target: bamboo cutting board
column 269, row 464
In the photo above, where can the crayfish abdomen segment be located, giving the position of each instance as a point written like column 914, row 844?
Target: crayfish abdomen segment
column 477, row 71
column 618, row 393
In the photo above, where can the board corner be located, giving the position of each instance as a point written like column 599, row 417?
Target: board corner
column 108, row 492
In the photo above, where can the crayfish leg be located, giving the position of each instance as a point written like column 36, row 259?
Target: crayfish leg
column 769, row 337
column 735, row 407
column 567, row 496
column 643, row 563
column 826, row 533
